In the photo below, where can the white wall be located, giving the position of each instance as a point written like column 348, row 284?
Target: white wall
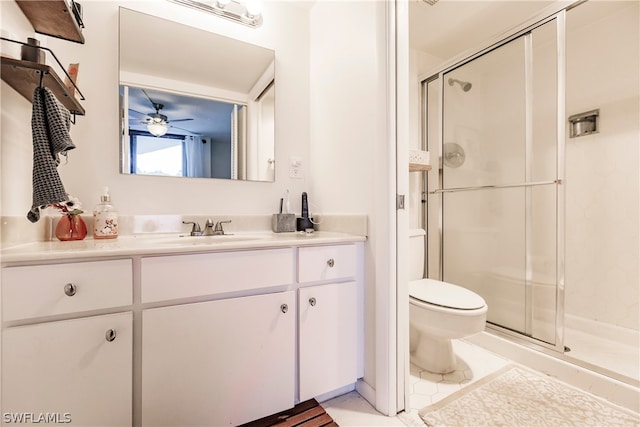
column 420, row 64
column 603, row 173
column 349, row 151
column 94, row 163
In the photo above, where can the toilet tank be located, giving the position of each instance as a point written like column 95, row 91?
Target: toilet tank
column 416, row 253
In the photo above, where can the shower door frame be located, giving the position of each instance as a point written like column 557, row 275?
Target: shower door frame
column 560, row 19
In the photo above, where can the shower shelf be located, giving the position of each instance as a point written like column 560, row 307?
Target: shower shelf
column 418, row 167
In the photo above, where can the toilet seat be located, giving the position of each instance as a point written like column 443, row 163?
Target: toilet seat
column 445, row 294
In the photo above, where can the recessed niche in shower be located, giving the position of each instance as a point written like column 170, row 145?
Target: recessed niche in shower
column 584, row 123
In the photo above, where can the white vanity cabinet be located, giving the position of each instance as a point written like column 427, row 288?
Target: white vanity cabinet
column 67, row 343
column 329, row 319
column 191, row 336
column 220, row 350
column 182, row 276
column 77, row 371
column 328, row 339
column 218, row 363
column 47, row 290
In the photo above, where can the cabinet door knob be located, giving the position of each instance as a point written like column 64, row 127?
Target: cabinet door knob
column 284, row 308
column 70, row 289
column 331, row 262
column 110, row 335
column 312, row 301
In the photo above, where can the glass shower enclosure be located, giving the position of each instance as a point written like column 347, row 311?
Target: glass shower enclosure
column 496, row 120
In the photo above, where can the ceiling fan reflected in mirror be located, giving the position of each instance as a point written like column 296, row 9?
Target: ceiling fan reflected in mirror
column 158, row 124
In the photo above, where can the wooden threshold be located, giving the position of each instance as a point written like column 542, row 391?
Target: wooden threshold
column 305, row 414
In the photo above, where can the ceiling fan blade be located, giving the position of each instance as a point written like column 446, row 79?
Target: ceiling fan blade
column 179, row 120
column 153, row 104
column 176, row 127
column 138, row 112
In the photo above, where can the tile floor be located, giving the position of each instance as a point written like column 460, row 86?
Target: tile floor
column 474, row 363
column 351, row 410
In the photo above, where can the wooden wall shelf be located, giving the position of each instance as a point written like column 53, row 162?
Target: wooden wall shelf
column 24, row 77
column 417, row 167
column 52, row 18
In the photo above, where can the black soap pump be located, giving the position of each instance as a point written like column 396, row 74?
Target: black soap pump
column 304, row 223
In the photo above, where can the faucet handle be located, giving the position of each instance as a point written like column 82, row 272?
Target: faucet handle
column 218, row 228
column 195, row 229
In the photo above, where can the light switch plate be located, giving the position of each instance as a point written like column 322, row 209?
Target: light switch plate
column 296, row 169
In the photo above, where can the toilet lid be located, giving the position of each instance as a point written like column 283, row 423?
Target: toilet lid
column 445, row 294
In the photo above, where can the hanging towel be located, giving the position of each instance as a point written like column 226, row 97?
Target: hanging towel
column 50, row 124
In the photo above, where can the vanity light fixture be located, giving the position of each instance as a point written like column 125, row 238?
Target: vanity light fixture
column 157, row 128
column 247, row 13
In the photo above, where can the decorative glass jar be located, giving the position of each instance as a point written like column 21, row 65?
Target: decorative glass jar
column 71, row 227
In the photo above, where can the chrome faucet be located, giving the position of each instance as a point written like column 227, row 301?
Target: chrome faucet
column 208, row 228
column 214, row 230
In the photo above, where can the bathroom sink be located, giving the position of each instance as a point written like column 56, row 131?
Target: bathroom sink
column 209, row 240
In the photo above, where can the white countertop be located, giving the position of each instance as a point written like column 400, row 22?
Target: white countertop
column 157, row 244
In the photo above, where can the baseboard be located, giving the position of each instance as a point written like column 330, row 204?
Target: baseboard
column 366, row 391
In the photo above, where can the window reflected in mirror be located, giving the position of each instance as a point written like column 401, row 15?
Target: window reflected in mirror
column 153, row 155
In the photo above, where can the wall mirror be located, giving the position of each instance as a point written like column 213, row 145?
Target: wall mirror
column 194, row 103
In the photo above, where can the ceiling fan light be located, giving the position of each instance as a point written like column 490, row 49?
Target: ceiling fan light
column 157, row 129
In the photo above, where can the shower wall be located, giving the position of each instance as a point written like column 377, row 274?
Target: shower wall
column 602, row 170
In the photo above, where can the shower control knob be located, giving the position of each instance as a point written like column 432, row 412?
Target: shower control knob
column 70, row 289
column 331, row 262
column 312, row 302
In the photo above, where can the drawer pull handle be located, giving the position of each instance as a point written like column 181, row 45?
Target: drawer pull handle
column 70, row 289
column 312, row 301
column 110, row 335
column 284, row 308
column 331, row 263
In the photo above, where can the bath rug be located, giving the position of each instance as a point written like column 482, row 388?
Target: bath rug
column 517, row 397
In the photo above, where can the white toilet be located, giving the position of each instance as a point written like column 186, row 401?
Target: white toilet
column 438, row 313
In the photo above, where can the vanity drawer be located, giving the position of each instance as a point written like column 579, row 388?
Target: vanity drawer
column 46, row 290
column 326, row 263
column 184, row 276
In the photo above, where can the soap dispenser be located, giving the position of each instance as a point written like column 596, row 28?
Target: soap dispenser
column 105, row 218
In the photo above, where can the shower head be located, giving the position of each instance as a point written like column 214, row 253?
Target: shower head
column 466, row 86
